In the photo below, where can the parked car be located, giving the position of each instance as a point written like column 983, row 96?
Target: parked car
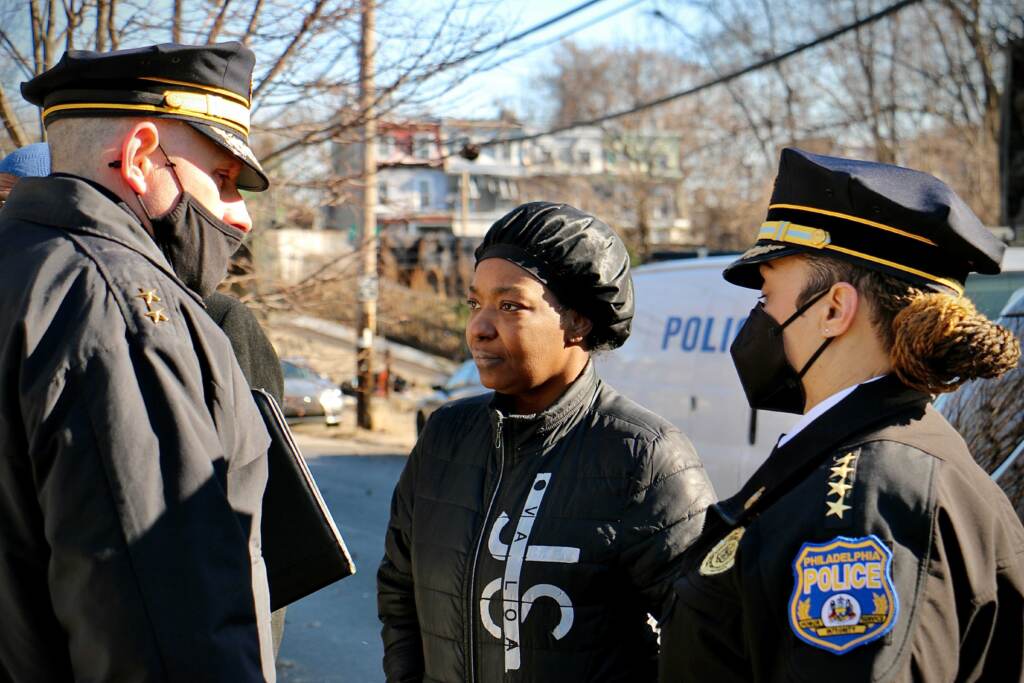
column 464, row 382
column 309, row 395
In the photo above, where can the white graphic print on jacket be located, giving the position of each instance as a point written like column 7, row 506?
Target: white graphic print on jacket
column 516, row 607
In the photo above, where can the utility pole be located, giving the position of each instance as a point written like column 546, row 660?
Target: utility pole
column 469, row 152
column 368, row 278
column 464, row 201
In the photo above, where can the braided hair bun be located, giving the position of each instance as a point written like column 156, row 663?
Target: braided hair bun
column 941, row 341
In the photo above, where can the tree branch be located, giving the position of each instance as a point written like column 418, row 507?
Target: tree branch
column 282, row 60
column 10, row 121
column 253, row 22
column 218, row 23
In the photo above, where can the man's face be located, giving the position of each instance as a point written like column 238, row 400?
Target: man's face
column 514, row 331
column 205, row 170
column 784, row 279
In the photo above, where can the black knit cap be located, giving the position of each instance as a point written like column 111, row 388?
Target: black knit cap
column 902, row 222
column 576, row 256
column 207, row 86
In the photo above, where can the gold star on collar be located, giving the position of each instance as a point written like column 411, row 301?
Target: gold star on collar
column 839, row 488
column 846, row 459
column 157, row 315
column 837, row 508
column 842, row 472
column 149, row 296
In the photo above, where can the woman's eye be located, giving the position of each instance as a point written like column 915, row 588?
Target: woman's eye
column 473, row 304
column 509, row 307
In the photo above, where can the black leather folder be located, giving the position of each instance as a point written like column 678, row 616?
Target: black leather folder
column 302, row 547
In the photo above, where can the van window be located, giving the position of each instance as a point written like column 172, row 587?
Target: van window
column 991, row 292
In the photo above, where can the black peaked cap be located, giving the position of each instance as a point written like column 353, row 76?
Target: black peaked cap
column 576, row 256
column 207, row 86
column 903, row 222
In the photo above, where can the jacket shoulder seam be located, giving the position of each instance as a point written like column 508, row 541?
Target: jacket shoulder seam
column 650, row 431
column 106, row 276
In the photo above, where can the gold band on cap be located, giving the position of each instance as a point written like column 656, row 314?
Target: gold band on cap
column 855, row 219
column 192, row 103
column 204, row 106
column 200, row 86
column 791, row 233
column 785, row 231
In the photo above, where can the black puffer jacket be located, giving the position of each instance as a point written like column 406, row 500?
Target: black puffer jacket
column 532, row 548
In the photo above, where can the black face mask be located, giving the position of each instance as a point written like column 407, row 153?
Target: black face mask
column 197, row 245
column 759, row 354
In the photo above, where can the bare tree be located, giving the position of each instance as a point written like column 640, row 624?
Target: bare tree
column 919, row 88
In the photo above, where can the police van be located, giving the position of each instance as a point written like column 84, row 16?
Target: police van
column 677, row 363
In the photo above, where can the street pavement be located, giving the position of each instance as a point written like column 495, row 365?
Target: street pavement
column 333, row 635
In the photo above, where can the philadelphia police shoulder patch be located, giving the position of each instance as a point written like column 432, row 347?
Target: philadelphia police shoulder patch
column 843, row 594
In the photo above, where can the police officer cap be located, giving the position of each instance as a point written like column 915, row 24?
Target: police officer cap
column 576, row 256
column 207, row 86
column 903, row 222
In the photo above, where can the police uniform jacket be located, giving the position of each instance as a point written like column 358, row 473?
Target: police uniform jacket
column 870, row 547
column 533, row 548
column 133, row 458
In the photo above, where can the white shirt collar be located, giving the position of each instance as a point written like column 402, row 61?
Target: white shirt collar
column 817, row 411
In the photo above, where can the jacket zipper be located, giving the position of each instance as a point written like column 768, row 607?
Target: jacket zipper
column 476, row 553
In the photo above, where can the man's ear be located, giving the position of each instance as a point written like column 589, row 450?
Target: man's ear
column 137, row 149
column 843, row 301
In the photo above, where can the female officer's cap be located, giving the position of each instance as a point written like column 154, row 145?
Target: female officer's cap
column 903, row 222
column 207, row 86
column 576, row 256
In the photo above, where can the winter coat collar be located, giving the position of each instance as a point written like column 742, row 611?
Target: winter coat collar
column 528, row 434
column 85, row 207
column 870, row 405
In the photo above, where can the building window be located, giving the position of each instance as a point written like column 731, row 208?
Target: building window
column 382, row 192
column 585, row 157
column 424, row 194
column 385, row 147
column 421, row 147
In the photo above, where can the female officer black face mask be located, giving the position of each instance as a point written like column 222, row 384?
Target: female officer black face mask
column 759, row 354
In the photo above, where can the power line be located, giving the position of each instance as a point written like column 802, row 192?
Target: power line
column 725, row 78
column 562, row 36
column 454, row 63
column 527, row 32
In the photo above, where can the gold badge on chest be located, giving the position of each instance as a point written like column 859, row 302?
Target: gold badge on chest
column 723, row 555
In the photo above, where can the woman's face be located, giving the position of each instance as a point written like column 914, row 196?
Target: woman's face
column 516, row 336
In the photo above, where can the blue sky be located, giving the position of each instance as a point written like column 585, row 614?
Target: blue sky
column 512, row 82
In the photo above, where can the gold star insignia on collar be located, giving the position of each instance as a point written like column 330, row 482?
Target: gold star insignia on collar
column 844, row 467
column 842, row 472
column 149, row 296
column 836, row 508
column 839, row 488
column 846, row 459
column 156, row 315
